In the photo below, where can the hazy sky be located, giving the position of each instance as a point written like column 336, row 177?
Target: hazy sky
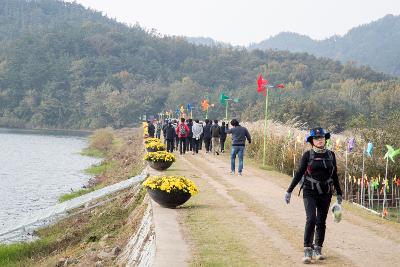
column 241, row 22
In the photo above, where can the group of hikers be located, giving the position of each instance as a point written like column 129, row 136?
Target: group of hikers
column 316, row 172
column 192, row 135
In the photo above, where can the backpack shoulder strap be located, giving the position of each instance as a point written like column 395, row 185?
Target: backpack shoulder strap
column 330, row 155
column 311, row 158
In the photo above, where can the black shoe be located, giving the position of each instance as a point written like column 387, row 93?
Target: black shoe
column 217, row 153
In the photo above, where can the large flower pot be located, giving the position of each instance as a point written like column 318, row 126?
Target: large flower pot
column 168, row 200
column 160, row 165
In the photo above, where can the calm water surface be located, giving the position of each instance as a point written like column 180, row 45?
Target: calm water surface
column 36, row 167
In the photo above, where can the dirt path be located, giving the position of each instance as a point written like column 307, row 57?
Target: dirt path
column 258, row 195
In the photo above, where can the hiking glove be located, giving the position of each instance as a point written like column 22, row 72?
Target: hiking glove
column 339, row 199
column 287, row 197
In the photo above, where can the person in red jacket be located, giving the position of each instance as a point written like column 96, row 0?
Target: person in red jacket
column 183, row 132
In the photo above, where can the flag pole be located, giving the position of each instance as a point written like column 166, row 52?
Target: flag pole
column 226, row 109
column 362, row 190
column 265, row 126
column 384, row 186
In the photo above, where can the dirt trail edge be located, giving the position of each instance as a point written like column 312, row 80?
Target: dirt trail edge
column 167, row 232
column 258, row 196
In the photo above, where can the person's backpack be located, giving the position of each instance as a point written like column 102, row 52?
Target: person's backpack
column 182, row 130
column 215, row 131
column 308, row 173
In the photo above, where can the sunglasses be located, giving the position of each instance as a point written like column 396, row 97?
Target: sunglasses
column 319, row 137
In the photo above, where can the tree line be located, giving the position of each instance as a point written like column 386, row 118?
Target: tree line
column 64, row 66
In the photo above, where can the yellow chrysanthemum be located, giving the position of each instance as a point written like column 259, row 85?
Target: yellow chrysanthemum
column 160, row 156
column 171, row 183
column 155, row 145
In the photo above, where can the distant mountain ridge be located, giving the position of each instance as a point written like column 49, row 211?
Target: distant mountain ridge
column 207, row 41
column 376, row 44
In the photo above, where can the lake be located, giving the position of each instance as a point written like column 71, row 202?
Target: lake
column 36, row 167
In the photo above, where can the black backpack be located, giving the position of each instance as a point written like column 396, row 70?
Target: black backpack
column 215, row 131
column 308, row 173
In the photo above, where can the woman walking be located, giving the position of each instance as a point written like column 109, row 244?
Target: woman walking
column 318, row 172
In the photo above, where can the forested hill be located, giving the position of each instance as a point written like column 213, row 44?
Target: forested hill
column 376, row 44
column 64, row 66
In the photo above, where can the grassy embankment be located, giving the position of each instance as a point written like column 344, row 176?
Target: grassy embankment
column 86, row 233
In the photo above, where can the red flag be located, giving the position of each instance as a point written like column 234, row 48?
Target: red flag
column 281, row 85
column 261, row 85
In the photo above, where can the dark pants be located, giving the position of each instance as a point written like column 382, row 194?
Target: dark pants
column 201, row 142
column 196, row 145
column 207, row 144
column 170, row 145
column 190, row 143
column 317, row 207
column 182, row 145
column 222, row 141
column 176, row 142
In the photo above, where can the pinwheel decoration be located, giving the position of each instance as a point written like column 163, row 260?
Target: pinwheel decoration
column 337, row 144
column 204, row 105
column 351, row 144
column 369, row 150
column 391, row 153
column 261, row 85
column 375, row 184
column 397, row 181
column 223, row 99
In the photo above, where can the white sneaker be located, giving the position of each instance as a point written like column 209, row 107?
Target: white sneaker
column 232, row 173
column 240, row 174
